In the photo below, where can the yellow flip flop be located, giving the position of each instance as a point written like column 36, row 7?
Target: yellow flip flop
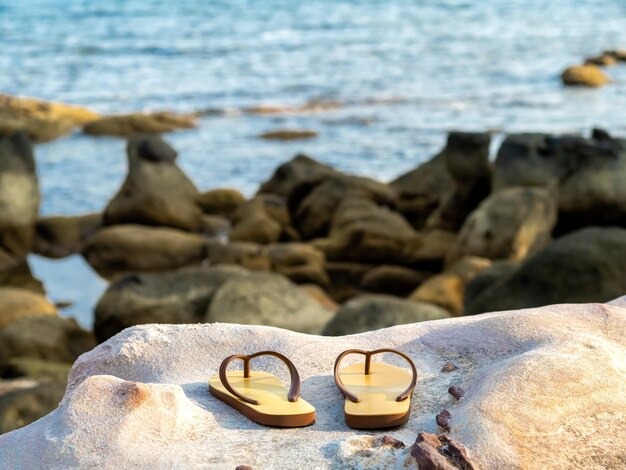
column 261, row 396
column 378, row 396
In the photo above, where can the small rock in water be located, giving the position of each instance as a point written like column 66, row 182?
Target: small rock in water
column 443, row 419
column 449, row 367
column 456, row 392
column 288, row 134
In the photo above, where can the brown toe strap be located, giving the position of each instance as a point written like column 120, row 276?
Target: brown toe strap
column 294, row 388
column 368, row 361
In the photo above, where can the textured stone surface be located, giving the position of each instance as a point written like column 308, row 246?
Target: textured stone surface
column 544, row 388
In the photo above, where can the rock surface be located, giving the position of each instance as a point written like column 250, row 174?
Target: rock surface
column 584, row 75
column 18, row 303
column 125, row 125
column 288, row 134
column 61, row 236
column 40, row 120
column 583, row 266
column 155, row 191
column 141, row 401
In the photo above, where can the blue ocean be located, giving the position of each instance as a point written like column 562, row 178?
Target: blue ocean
column 401, row 72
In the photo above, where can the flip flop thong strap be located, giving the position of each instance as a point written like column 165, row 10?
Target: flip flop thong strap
column 368, row 361
column 294, row 388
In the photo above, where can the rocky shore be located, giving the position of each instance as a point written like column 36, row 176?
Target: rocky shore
column 315, row 251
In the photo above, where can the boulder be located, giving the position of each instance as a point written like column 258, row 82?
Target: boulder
column 602, row 60
column 554, row 371
column 365, row 232
column 588, row 265
column 61, row 236
column 125, row 125
column 345, row 279
column 320, row 295
column 20, row 275
column 420, row 190
column 215, row 227
column 486, row 278
column 221, row 201
column 587, row 75
column 467, row 160
column 394, row 280
column 263, row 219
column 301, row 170
column 586, row 174
column 19, row 199
column 299, row 262
column 372, row 312
column 156, row 191
column 510, row 224
column 248, row 255
column 446, row 289
column 288, row 134
column 129, row 248
column 40, row 120
column 17, row 303
column 267, row 299
column 27, row 401
column 179, row 296
column 314, row 214
column 47, row 337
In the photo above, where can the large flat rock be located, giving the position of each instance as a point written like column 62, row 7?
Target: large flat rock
column 544, row 388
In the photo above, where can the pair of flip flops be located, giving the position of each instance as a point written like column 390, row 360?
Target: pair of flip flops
column 376, row 394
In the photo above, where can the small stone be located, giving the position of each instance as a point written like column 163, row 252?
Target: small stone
column 449, row 367
column 388, row 441
column 457, row 452
column 456, row 392
column 443, row 420
column 243, row 467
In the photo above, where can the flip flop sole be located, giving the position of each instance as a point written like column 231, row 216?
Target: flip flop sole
column 377, row 422
column 282, row 421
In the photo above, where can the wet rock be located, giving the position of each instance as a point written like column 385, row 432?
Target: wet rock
column 179, row 296
column 129, row 248
column 394, row 280
column 447, row 289
column 19, row 199
column 372, row 312
column 288, row 134
column 263, row 219
column 314, row 214
column 510, row 224
column 40, row 120
column 47, row 337
column 300, row 171
column 125, row 125
column 602, row 60
column 365, row 232
column 61, row 236
column 267, row 299
column 221, row 201
column 156, row 191
column 467, row 160
column 420, row 190
column 443, row 420
column 248, row 255
column 23, row 405
column 456, row 392
column 584, row 75
column 299, row 262
column 17, row 303
column 449, row 367
column 594, row 260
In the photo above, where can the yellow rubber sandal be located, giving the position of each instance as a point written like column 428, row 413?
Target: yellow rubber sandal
column 378, row 396
column 261, row 396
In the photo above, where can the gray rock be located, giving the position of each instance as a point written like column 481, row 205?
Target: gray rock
column 588, row 265
column 267, row 299
column 180, row 296
column 61, row 236
column 156, row 191
column 372, row 312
